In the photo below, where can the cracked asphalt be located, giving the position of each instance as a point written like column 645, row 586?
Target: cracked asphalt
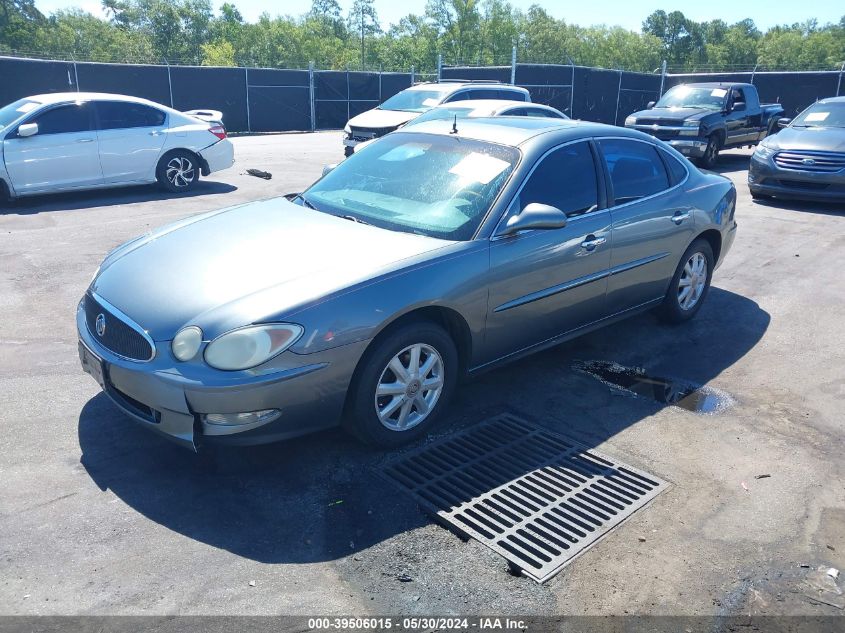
column 98, row 516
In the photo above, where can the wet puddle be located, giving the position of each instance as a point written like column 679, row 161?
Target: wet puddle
column 677, row 393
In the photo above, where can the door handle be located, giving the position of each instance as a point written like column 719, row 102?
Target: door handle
column 591, row 241
column 85, row 140
column 680, row 216
column 154, row 133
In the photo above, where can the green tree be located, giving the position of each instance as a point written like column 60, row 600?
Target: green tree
column 19, row 23
column 363, row 20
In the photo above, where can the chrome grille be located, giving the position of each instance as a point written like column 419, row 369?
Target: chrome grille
column 365, row 134
column 118, row 336
column 823, row 162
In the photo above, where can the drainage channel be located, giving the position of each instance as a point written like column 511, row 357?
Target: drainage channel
column 664, row 390
column 537, row 498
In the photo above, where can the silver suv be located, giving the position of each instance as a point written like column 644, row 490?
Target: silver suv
column 413, row 101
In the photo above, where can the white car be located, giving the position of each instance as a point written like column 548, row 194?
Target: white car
column 78, row 140
column 413, row 101
column 453, row 112
column 487, row 108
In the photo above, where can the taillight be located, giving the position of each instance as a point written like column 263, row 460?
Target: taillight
column 219, row 131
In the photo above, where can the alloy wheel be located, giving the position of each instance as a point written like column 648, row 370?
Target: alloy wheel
column 692, row 282
column 180, row 171
column 409, row 387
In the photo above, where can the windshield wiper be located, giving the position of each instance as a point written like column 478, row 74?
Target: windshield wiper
column 305, row 201
column 354, row 219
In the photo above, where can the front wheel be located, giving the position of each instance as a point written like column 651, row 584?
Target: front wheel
column 690, row 283
column 711, row 152
column 178, row 171
column 404, row 383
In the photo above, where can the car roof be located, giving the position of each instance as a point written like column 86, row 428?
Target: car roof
column 62, row 97
column 716, row 84
column 448, row 85
column 832, row 100
column 515, row 131
column 491, row 105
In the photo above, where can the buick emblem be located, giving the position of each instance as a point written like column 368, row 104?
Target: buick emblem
column 808, row 161
column 100, row 324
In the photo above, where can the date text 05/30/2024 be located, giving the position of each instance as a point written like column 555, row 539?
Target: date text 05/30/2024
column 415, row 624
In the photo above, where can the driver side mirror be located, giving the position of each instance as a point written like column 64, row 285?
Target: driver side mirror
column 739, row 106
column 784, row 122
column 535, row 216
column 650, row 105
column 27, row 129
column 327, row 169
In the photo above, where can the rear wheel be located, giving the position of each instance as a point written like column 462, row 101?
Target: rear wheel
column 690, row 283
column 711, row 152
column 403, row 385
column 756, row 195
column 178, row 171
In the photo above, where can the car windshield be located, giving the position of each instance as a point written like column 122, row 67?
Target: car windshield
column 438, row 186
column 12, row 112
column 822, row 115
column 693, row 97
column 414, row 100
column 445, row 113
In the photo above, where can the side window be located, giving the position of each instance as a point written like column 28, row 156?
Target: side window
column 543, row 113
column 515, row 112
column 565, row 179
column 458, row 96
column 677, row 171
column 636, row 170
column 64, row 119
column 484, row 93
column 511, row 95
column 116, row 115
column 737, row 96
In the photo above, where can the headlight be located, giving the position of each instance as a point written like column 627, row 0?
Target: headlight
column 690, row 128
column 251, row 346
column 631, row 120
column 186, row 343
column 347, row 130
column 763, row 151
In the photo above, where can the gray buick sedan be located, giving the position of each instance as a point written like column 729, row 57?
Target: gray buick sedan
column 432, row 254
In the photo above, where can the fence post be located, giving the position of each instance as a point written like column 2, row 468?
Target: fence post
column 839, row 82
column 348, row 96
column 572, row 89
column 618, row 95
column 662, row 77
column 311, row 95
column 439, row 67
column 752, row 74
column 246, row 88
column 513, row 66
column 412, row 75
column 169, row 82
column 75, row 74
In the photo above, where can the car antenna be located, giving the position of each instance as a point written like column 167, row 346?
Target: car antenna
column 454, row 125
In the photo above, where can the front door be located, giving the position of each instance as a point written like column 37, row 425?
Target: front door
column 545, row 283
column 62, row 155
column 131, row 136
column 652, row 223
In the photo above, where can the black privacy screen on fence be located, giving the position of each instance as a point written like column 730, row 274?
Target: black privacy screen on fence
column 279, row 100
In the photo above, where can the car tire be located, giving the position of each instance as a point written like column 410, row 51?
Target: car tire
column 397, row 417
column 678, row 306
column 178, row 171
column 756, row 195
column 711, row 152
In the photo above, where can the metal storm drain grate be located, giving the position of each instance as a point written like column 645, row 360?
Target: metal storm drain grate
column 537, row 498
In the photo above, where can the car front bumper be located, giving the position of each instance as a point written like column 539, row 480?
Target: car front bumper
column 219, row 156
column 693, row 148
column 766, row 178
column 309, row 392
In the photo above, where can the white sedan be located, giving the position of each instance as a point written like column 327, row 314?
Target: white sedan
column 78, row 140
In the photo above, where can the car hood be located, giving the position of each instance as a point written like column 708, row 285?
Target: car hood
column 376, row 119
column 247, row 264
column 818, row 139
column 673, row 115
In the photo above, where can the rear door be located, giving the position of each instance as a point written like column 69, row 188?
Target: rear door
column 131, row 136
column 62, row 155
column 652, row 222
column 548, row 282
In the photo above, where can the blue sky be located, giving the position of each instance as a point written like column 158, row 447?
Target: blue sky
column 626, row 13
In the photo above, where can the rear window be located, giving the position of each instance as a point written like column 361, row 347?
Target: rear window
column 677, row 171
